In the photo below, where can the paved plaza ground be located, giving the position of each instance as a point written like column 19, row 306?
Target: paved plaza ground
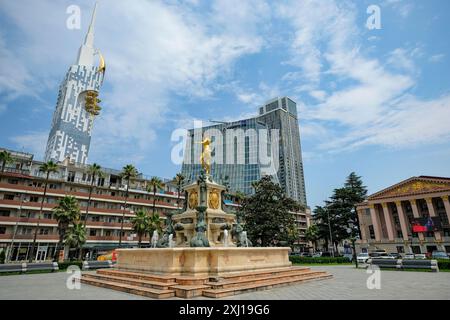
column 347, row 284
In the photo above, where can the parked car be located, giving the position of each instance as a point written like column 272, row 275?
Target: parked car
column 409, row 256
column 362, row 257
column 439, row 255
column 386, row 256
column 420, row 256
column 306, row 254
column 395, row 255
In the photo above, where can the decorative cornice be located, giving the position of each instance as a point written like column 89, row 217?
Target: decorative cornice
column 413, row 186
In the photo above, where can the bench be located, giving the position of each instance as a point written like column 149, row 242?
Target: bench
column 5, row 268
column 420, row 264
column 24, row 267
column 92, row 265
column 405, row 264
column 385, row 263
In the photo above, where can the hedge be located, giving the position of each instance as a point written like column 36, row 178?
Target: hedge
column 444, row 264
column 64, row 265
column 307, row 260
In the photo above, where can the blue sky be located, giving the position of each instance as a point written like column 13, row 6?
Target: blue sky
column 376, row 102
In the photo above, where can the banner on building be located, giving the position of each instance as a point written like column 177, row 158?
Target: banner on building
column 426, row 224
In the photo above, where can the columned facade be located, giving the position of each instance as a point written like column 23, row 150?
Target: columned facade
column 387, row 217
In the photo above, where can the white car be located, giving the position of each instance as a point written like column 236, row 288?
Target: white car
column 420, row 256
column 362, row 257
column 409, row 256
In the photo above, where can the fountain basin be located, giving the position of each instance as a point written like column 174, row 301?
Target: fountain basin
column 212, row 261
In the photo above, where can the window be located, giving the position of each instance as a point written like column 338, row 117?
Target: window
column 2, row 230
column 4, row 213
column 400, row 249
column 416, row 249
column 71, row 176
column 371, row 232
column 13, row 181
column 8, row 197
column 34, row 199
column 43, row 231
column 92, row 232
column 108, row 233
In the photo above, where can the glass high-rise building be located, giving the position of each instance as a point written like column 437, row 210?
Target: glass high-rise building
column 245, row 150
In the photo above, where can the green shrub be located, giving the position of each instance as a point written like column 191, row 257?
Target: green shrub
column 308, row 260
column 444, row 264
column 64, row 265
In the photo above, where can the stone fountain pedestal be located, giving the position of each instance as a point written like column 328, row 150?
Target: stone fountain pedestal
column 214, row 261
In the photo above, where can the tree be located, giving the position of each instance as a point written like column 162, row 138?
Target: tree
column 267, row 214
column 141, row 224
column 312, row 234
column 75, row 237
column 66, row 212
column 179, row 179
column 47, row 168
column 153, row 186
column 128, row 172
column 155, row 223
column 240, row 196
column 5, row 158
column 339, row 214
column 95, row 171
column 357, row 194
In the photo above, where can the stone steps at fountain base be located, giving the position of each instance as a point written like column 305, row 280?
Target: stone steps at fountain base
column 166, row 286
column 138, row 275
column 263, row 285
column 131, row 281
column 133, row 289
column 280, row 277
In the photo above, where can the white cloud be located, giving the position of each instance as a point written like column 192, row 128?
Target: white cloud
column 33, row 142
column 370, row 102
column 437, row 57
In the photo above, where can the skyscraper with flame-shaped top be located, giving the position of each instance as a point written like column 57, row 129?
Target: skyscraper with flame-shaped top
column 77, row 105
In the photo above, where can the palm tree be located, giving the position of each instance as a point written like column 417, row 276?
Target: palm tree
column 47, row 167
column 179, row 179
column 66, row 212
column 75, row 237
column 155, row 223
column 154, row 184
column 128, row 172
column 95, row 171
column 312, row 234
column 5, row 158
column 141, row 224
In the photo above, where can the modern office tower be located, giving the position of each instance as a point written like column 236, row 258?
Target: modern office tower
column 281, row 114
column 236, row 154
column 77, row 105
column 240, row 156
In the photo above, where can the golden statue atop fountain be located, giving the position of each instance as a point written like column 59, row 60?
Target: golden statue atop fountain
column 205, row 158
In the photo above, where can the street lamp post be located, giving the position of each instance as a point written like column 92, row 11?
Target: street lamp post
column 331, row 236
column 353, row 237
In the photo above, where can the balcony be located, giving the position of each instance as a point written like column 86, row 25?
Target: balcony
column 53, row 222
column 27, row 220
column 49, row 237
column 85, row 195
